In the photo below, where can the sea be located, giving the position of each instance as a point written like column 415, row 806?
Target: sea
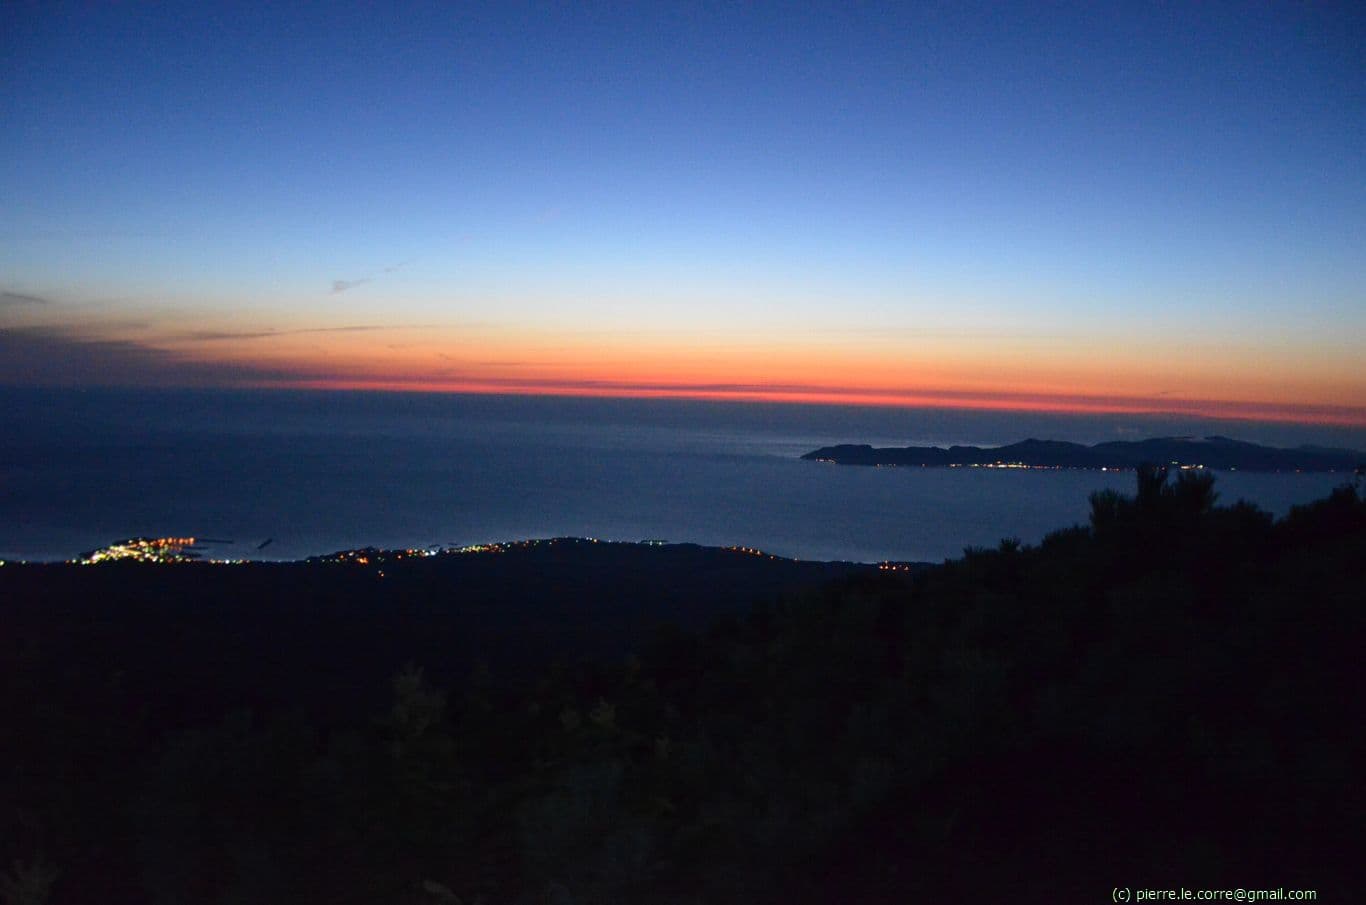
column 284, row 474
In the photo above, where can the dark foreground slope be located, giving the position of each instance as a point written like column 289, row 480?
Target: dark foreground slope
column 1165, row 698
column 190, row 638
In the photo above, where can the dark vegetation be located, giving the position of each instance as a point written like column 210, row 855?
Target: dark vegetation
column 1211, row 452
column 1166, row 697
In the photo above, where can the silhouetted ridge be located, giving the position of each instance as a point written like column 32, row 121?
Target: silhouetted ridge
column 1214, row 452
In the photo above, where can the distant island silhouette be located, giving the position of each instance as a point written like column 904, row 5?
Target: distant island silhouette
column 1219, row 453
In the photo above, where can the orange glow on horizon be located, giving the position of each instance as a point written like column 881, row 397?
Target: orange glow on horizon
column 1282, row 381
column 1236, row 410
column 1050, row 368
column 989, row 374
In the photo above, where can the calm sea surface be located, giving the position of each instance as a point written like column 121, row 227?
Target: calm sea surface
column 319, row 471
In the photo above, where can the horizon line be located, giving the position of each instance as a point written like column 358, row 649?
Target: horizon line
column 1301, row 414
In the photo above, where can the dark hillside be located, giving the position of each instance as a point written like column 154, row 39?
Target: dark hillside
column 1165, row 698
column 201, row 637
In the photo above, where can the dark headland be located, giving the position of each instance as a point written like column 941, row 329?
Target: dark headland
column 1219, row 453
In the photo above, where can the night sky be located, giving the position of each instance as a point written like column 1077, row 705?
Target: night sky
column 1089, row 207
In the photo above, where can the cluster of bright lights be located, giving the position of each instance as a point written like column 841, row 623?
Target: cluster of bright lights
column 894, row 567
column 750, row 551
column 505, row 546
column 176, row 550
column 1022, row 465
column 481, row 548
column 372, row 556
column 1008, row 465
column 144, row 549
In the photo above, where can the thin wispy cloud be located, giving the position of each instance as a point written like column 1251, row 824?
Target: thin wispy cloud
column 487, row 363
column 22, row 298
column 217, row 335
column 339, row 286
column 66, row 235
column 343, row 285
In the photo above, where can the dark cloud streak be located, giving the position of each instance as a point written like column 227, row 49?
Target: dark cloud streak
column 54, row 356
column 20, row 298
column 218, row 335
column 343, row 285
column 61, row 356
column 339, row 286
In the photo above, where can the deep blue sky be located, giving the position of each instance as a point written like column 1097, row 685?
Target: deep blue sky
column 991, row 182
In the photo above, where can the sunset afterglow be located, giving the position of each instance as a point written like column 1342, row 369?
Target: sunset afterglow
column 647, row 206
